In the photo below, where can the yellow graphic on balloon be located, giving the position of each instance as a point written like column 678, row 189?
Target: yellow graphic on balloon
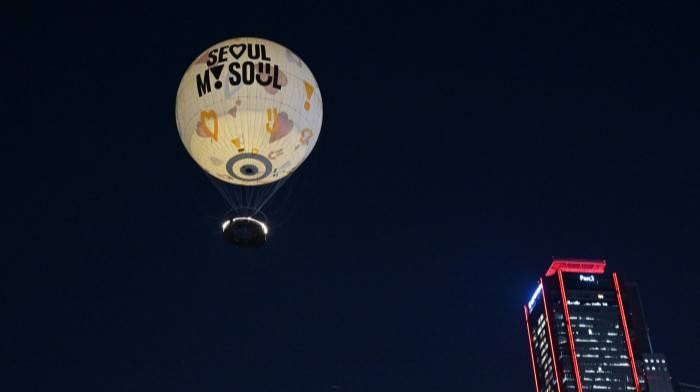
column 309, row 92
column 273, row 124
column 237, row 142
column 203, row 129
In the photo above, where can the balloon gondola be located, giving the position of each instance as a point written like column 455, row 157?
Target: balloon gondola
column 245, row 231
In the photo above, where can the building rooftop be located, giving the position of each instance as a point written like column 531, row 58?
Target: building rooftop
column 576, row 265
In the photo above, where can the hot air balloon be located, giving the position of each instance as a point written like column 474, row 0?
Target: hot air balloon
column 249, row 112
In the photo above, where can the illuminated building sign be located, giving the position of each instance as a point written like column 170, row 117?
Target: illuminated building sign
column 586, row 278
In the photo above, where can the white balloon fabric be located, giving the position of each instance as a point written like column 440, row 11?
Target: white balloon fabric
column 249, row 111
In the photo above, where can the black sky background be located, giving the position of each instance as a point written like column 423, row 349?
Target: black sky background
column 462, row 147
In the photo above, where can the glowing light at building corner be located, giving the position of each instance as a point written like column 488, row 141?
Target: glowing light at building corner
column 536, row 294
column 551, row 340
column 630, row 352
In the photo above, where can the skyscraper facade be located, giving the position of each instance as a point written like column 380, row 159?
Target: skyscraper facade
column 579, row 334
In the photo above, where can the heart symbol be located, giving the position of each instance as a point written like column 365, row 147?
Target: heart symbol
column 240, row 52
column 203, row 117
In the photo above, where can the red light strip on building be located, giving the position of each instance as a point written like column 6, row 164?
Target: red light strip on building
column 627, row 333
column 551, row 341
column 576, row 265
column 532, row 350
column 571, row 333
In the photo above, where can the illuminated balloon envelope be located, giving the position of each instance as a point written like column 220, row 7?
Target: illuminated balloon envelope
column 249, row 112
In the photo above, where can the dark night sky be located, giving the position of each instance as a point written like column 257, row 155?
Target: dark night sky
column 462, row 148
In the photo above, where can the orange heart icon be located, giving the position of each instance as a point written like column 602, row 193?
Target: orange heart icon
column 203, row 129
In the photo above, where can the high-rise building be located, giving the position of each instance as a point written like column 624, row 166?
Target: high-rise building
column 588, row 332
column 580, row 332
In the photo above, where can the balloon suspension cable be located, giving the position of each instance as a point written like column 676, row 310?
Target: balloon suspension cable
column 246, row 199
column 275, row 187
